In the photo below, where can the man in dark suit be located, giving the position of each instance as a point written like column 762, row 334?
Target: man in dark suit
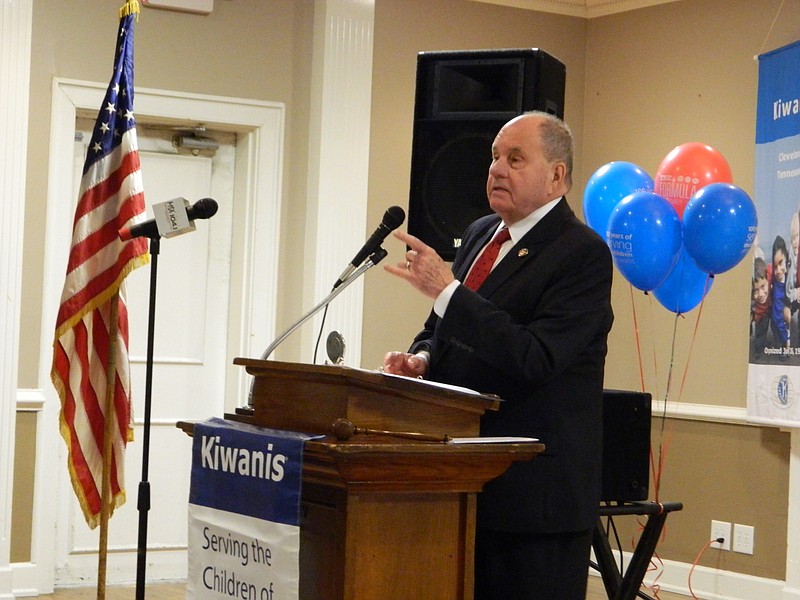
column 534, row 333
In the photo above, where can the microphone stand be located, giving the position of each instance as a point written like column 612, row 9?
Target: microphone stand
column 373, row 260
column 143, row 504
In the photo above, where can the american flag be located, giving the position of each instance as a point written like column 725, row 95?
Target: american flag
column 110, row 198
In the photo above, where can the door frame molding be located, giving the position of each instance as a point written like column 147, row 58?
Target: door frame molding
column 16, row 18
column 254, row 271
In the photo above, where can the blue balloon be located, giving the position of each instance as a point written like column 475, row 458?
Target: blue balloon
column 644, row 235
column 685, row 287
column 606, row 187
column 719, row 226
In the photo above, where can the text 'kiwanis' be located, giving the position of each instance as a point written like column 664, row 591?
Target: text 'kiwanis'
column 242, row 461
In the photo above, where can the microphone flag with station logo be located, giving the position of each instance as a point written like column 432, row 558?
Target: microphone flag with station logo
column 171, row 218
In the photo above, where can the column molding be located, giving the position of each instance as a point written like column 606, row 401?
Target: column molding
column 341, row 97
column 15, row 59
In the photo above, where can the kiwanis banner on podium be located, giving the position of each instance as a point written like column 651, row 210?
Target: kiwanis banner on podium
column 773, row 394
column 244, row 512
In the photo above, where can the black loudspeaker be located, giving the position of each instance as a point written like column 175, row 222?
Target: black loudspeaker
column 462, row 100
column 626, row 445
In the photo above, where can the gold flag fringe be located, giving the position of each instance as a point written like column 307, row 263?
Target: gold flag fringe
column 131, row 7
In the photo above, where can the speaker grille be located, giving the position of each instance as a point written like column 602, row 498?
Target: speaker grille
column 626, row 445
column 457, row 178
column 462, row 100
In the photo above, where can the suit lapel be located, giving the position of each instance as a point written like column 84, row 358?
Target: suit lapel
column 528, row 248
column 477, row 243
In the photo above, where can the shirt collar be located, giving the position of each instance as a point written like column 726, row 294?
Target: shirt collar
column 519, row 229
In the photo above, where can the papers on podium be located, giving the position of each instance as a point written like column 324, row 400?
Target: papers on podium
column 493, row 440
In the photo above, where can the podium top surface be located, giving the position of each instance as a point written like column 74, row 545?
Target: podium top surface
column 310, row 398
column 344, row 375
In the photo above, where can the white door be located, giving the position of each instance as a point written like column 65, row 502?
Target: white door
column 231, row 259
column 190, row 359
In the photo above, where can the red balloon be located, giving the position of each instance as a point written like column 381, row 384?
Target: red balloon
column 688, row 168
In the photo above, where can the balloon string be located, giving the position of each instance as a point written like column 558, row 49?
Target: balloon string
column 664, row 442
column 636, row 337
column 666, row 436
column 655, row 470
column 694, row 334
column 671, row 363
column 656, row 370
column 658, row 469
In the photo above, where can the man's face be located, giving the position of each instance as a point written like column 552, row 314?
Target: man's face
column 520, row 178
column 760, row 290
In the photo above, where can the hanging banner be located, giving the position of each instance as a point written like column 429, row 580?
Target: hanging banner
column 773, row 383
column 244, row 512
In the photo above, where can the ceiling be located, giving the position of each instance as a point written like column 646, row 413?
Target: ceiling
column 579, row 8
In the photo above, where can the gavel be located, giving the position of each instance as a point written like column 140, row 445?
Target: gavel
column 344, row 430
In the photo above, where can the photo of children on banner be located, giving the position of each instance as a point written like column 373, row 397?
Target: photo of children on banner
column 779, row 313
column 775, row 302
column 760, row 334
column 792, row 280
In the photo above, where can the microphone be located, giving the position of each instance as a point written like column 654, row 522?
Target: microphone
column 202, row 209
column 392, row 219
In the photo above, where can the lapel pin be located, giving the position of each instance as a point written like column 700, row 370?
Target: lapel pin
column 522, row 252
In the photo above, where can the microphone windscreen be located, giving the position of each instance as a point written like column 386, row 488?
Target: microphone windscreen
column 394, row 217
column 204, row 208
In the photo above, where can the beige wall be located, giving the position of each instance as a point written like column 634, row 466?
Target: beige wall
column 656, row 78
column 24, row 467
column 733, row 473
column 638, row 83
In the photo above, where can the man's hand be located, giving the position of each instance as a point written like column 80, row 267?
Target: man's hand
column 403, row 363
column 422, row 267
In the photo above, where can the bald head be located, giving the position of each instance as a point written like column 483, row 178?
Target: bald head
column 555, row 137
column 531, row 165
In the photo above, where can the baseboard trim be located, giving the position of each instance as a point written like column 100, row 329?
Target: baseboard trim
column 714, row 584
column 702, row 412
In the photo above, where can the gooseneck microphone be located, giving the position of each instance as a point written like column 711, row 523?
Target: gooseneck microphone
column 392, row 219
column 202, row 209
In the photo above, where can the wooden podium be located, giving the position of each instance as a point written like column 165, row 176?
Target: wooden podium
column 382, row 517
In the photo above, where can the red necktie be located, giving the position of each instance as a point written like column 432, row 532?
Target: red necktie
column 483, row 266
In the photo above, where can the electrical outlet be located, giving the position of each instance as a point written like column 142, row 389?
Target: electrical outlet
column 721, row 529
column 743, row 537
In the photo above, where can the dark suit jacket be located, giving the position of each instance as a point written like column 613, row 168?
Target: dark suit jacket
column 535, row 335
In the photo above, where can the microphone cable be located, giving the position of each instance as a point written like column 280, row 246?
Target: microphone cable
column 319, row 337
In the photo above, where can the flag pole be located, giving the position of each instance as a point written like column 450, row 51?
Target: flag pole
column 105, row 499
column 83, row 318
